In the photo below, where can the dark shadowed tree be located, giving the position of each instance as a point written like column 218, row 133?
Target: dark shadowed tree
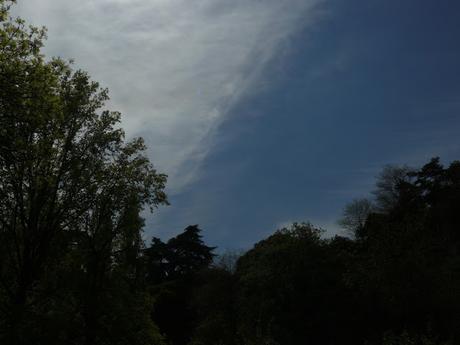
column 290, row 290
column 387, row 186
column 188, row 253
column 407, row 269
column 228, row 260
column 173, row 270
column 355, row 215
column 213, row 300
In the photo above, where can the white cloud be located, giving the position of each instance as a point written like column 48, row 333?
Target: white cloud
column 174, row 67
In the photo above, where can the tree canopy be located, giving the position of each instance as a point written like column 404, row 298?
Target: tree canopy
column 71, row 189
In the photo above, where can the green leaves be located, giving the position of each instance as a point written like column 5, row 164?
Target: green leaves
column 71, row 193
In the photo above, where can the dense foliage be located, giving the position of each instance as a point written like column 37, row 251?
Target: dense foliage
column 71, row 190
column 395, row 281
column 74, row 268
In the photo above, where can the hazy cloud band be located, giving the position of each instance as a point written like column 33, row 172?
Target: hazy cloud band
column 173, row 67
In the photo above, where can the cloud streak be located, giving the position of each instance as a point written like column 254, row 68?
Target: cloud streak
column 174, row 68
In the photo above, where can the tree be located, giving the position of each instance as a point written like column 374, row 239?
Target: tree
column 355, row 215
column 290, row 290
column 213, row 300
column 181, row 256
column 188, row 253
column 71, row 188
column 408, row 263
column 173, row 270
column 388, row 183
column 228, row 260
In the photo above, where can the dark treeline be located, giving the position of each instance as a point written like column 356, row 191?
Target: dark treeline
column 74, row 268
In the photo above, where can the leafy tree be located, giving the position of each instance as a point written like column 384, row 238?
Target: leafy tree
column 290, row 290
column 71, row 190
column 189, row 254
column 173, row 269
column 181, row 256
column 408, row 265
column 213, row 299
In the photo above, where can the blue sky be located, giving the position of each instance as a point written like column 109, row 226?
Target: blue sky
column 374, row 83
column 268, row 112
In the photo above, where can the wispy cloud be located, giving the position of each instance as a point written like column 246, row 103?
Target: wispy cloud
column 174, row 67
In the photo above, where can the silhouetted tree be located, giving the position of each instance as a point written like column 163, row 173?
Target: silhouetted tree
column 173, row 272
column 355, row 215
column 290, row 290
column 388, row 183
column 408, row 265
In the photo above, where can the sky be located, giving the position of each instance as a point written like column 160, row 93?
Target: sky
column 267, row 112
